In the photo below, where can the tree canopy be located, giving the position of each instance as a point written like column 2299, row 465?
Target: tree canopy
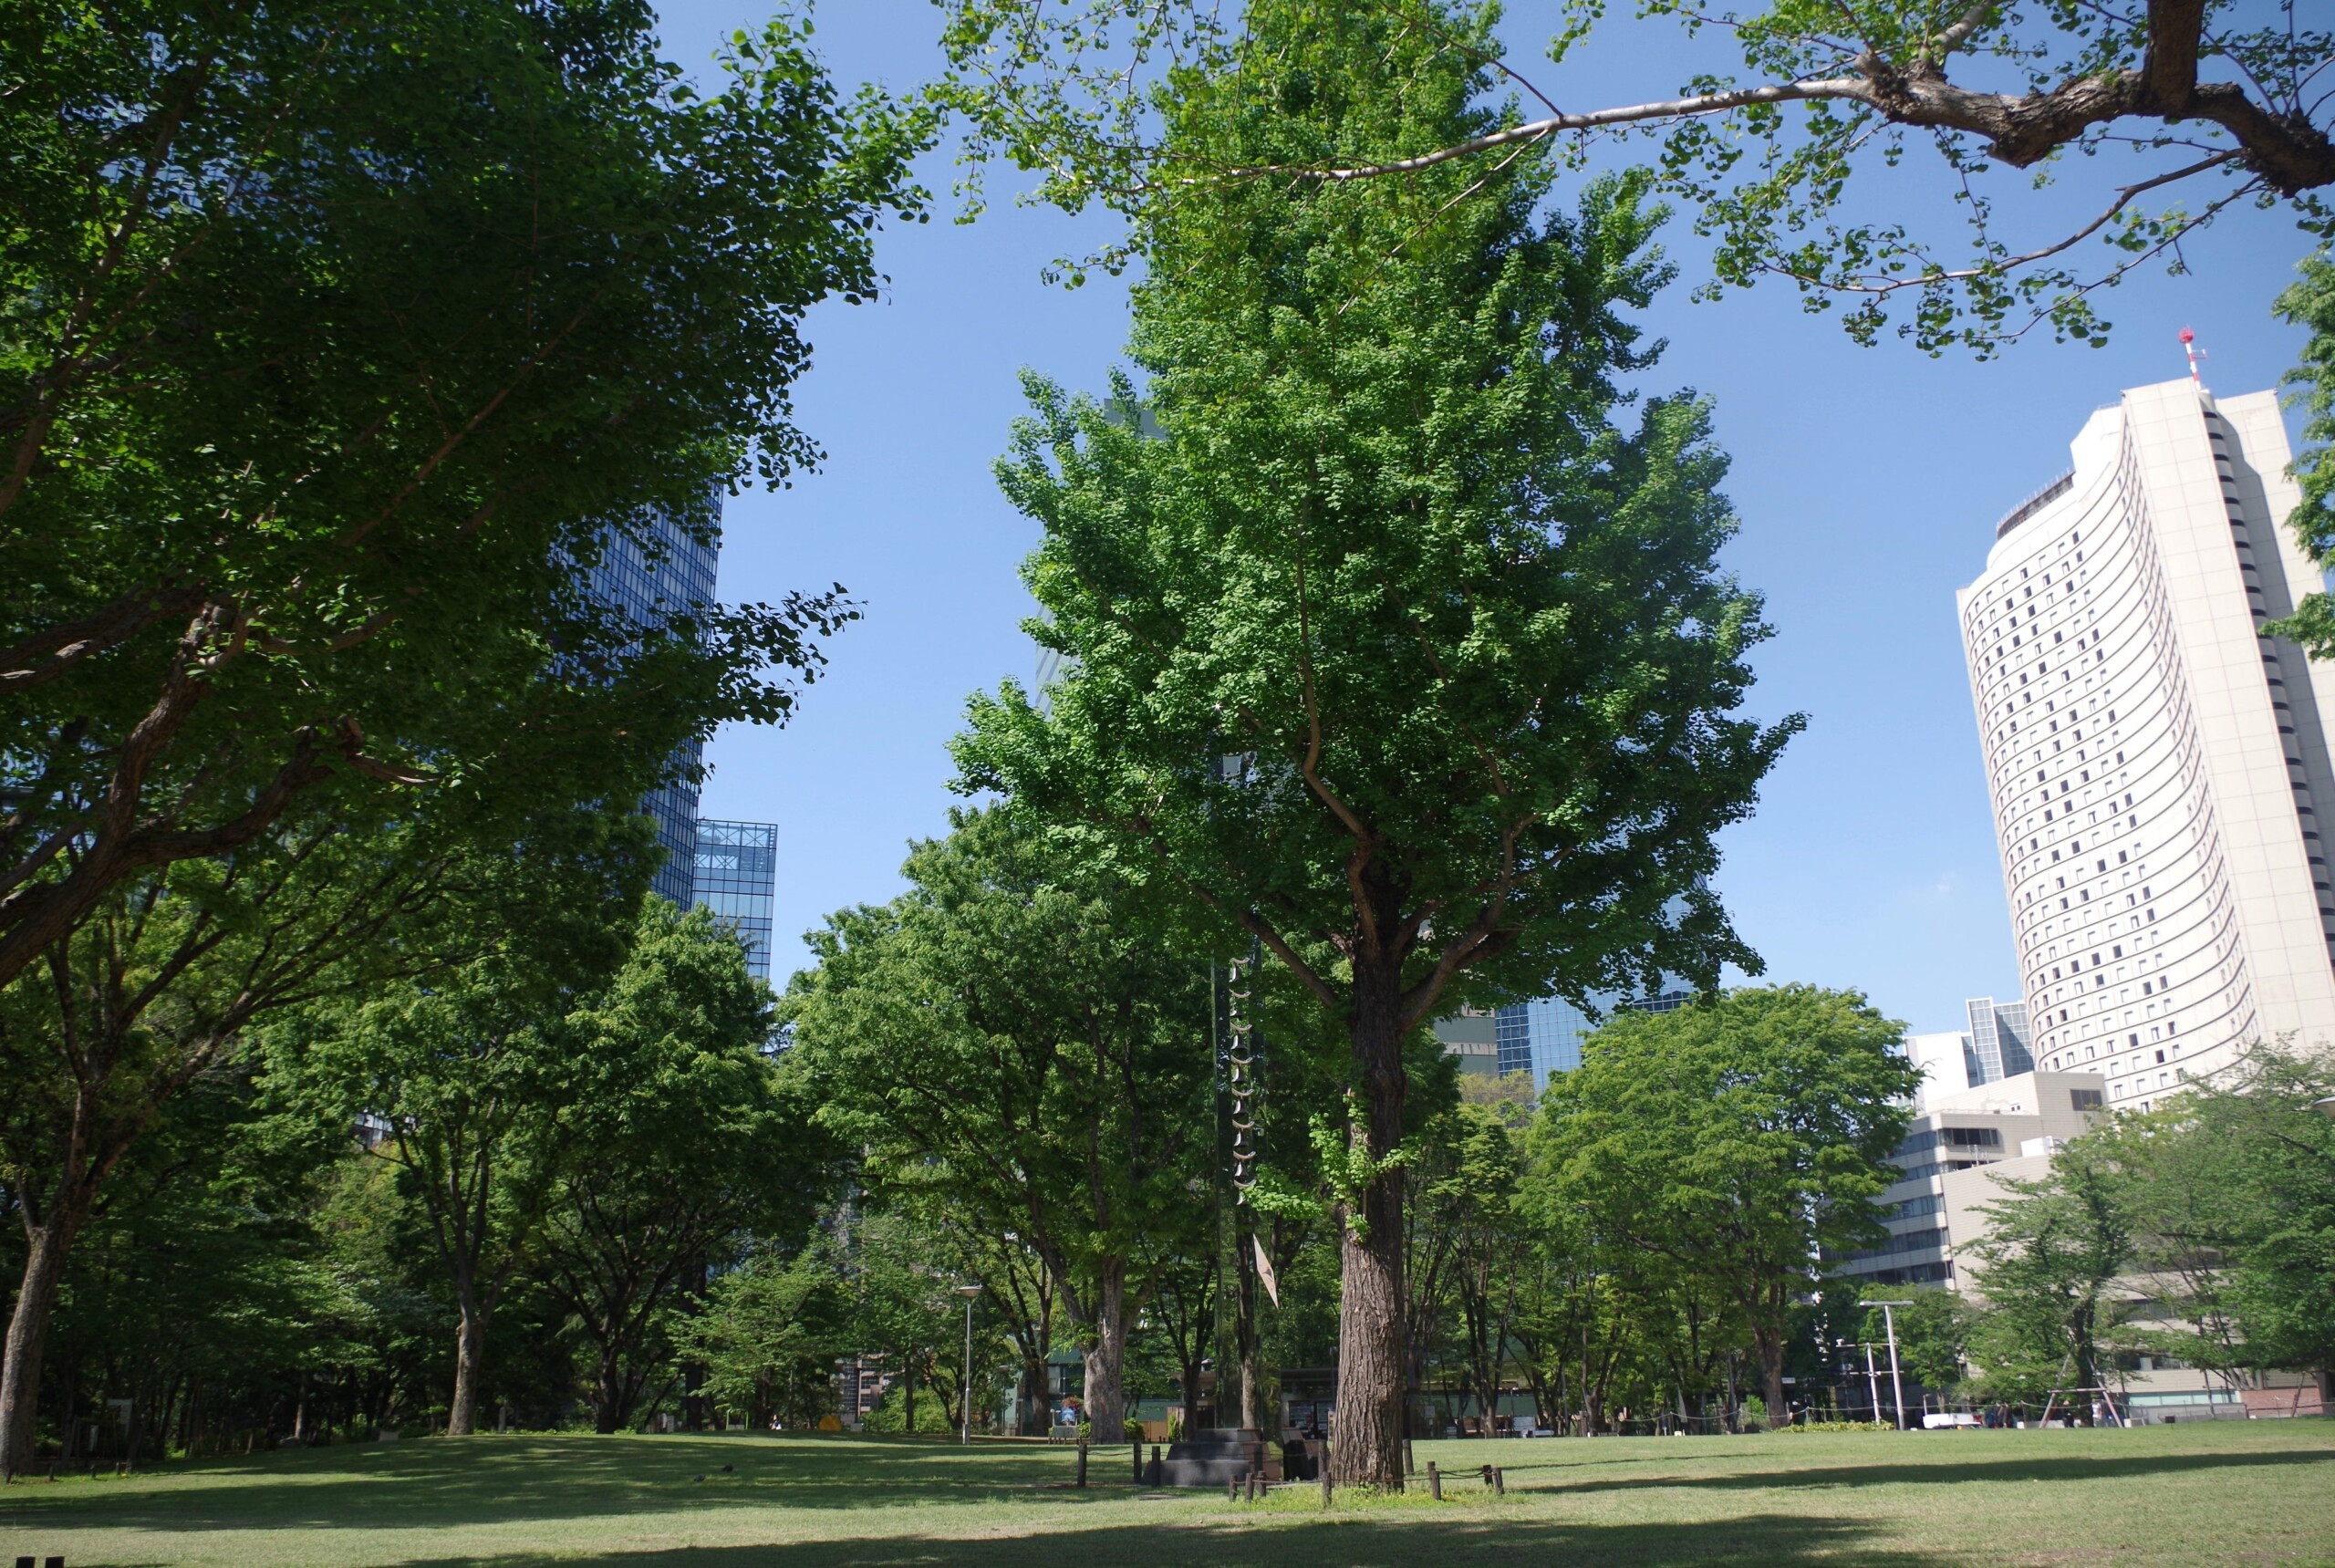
column 1008, row 1034
column 2202, row 106
column 1739, row 1138
column 345, row 335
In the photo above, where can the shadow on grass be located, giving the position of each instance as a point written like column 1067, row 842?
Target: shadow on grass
column 2002, row 1469
column 1372, row 1540
column 504, row 1480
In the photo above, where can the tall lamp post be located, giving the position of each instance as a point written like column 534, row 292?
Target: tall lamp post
column 971, row 1292
column 1896, row 1389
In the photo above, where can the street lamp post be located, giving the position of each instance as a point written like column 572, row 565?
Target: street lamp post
column 1897, row 1387
column 972, row 1293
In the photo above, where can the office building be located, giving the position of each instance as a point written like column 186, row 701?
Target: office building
column 1469, row 1037
column 737, row 879
column 1544, row 1036
column 1929, row 1213
column 2158, row 770
column 671, row 573
column 1993, row 1048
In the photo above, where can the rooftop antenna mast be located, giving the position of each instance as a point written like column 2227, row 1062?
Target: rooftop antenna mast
column 2189, row 347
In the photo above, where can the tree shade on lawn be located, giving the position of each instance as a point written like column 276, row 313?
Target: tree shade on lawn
column 1394, row 648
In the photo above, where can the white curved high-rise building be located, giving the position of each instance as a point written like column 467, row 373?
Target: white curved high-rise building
column 2160, row 770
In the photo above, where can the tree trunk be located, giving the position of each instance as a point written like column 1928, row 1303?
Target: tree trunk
column 1253, row 1413
column 470, row 1363
column 45, row 1252
column 1771, row 1341
column 1368, row 1447
column 1036, row 1418
column 1105, row 1355
column 607, row 1393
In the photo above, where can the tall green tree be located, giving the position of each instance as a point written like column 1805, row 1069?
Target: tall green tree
column 1011, row 1036
column 691, row 1145
column 342, row 335
column 474, row 1081
column 770, row 1333
column 1738, row 1136
column 2309, row 302
column 158, row 985
column 1459, row 631
column 2229, row 1191
column 2046, row 1271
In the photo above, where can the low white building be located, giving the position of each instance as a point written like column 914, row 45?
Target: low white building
column 1957, row 1130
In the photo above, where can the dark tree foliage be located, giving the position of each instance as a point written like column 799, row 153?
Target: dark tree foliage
column 340, row 332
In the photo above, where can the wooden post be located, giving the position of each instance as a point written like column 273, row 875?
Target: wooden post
column 1139, row 1462
column 1488, row 1478
column 1082, row 1463
column 1499, row 1481
column 1434, row 1482
column 1410, row 1462
column 1325, row 1485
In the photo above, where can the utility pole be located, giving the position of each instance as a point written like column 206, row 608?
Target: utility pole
column 971, row 1292
column 1896, row 1386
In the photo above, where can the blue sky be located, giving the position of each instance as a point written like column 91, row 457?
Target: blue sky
column 1868, row 481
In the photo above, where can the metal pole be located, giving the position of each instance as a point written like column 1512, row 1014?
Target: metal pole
column 1873, row 1383
column 972, row 1293
column 1896, row 1386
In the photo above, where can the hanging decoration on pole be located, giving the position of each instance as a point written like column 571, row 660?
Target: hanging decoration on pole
column 1265, row 1275
column 1240, row 1079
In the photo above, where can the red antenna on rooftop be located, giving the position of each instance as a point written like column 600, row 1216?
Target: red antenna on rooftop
column 2189, row 347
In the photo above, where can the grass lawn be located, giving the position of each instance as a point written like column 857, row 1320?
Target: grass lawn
column 2233, row 1492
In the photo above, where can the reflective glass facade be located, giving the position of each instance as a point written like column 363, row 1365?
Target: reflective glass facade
column 673, row 571
column 737, row 879
column 1545, row 1036
column 1999, row 1040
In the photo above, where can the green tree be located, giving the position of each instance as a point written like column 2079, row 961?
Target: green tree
column 473, row 1079
column 2309, row 302
column 1459, row 634
column 2231, row 1191
column 689, row 1143
column 2046, row 1271
column 2207, row 99
column 343, row 334
column 159, row 984
column 1011, row 1038
column 1465, row 1231
column 770, row 1333
column 1738, row 1136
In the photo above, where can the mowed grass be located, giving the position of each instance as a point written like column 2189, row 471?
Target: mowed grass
column 2233, row 1492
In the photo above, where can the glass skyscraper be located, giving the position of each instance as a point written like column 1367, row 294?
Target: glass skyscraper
column 1544, row 1036
column 673, row 573
column 737, row 879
